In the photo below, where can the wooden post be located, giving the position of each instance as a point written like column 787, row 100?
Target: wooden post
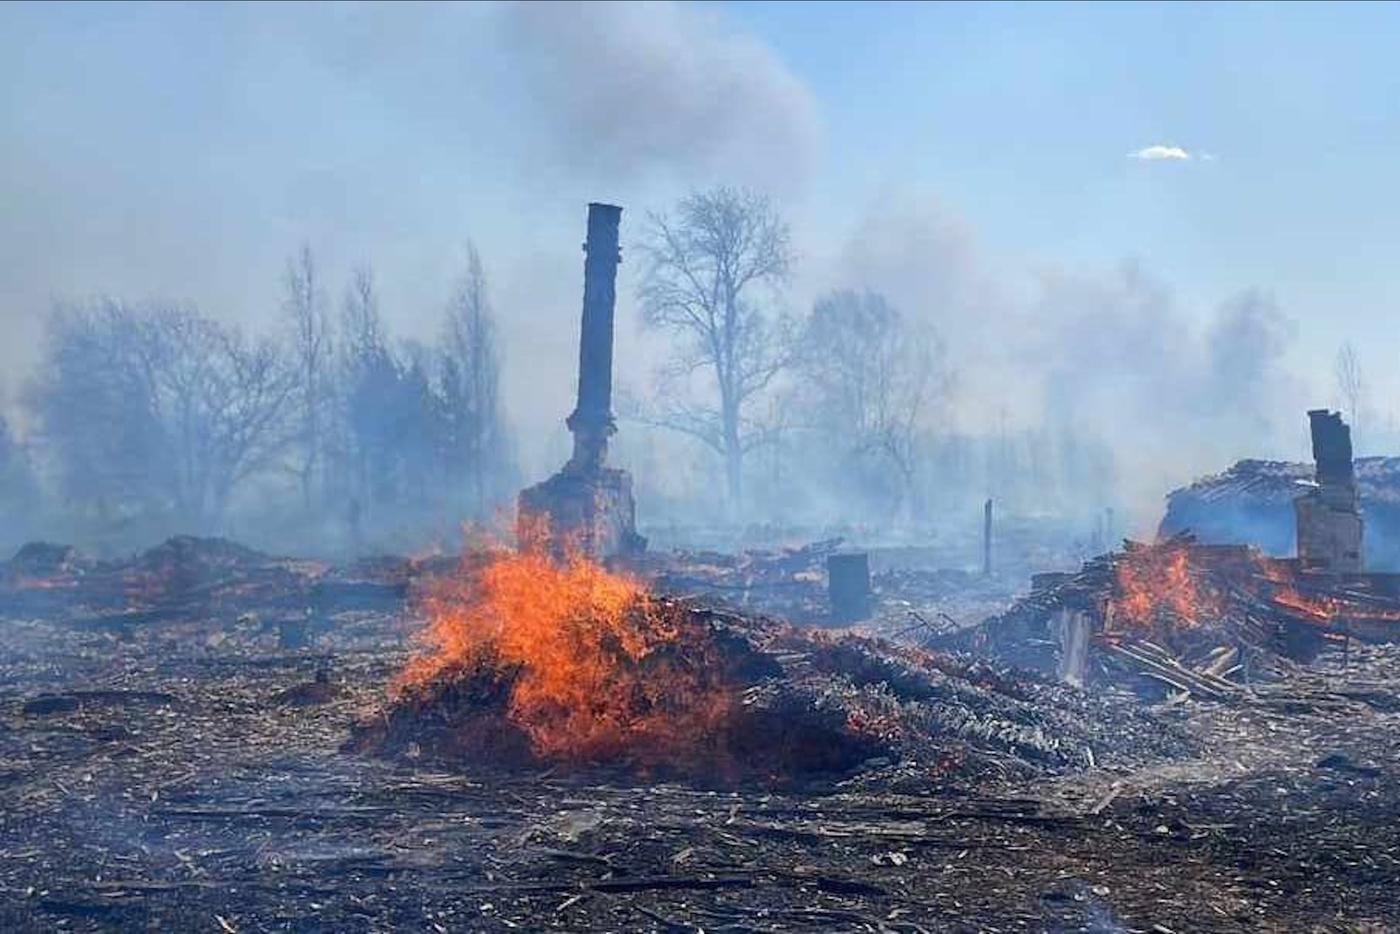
column 987, row 537
column 848, row 587
column 1071, row 629
column 291, row 632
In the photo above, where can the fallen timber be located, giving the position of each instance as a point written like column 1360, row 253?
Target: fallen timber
column 1156, row 662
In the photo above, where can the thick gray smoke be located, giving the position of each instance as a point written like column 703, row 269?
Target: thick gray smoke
column 1173, row 392
column 663, row 86
column 389, row 138
column 1106, row 360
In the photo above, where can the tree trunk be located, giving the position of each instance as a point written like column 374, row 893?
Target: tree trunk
column 733, row 474
column 313, row 443
column 733, row 454
column 734, row 478
column 306, row 487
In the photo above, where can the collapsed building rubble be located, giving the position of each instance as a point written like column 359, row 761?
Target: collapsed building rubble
column 1186, row 616
column 160, row 778
column 1189, row 616
column 1329, row 519
column 795, row 583
column 1264, row 503
column 228, row 590
column 161, row 781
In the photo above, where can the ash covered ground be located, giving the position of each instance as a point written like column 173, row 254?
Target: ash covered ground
column 185, row 770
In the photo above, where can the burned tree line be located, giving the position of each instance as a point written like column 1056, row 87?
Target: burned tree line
column 842, row 411
column 1089, row 390
column 148, row 417
column 152, row 417
column 849, row 390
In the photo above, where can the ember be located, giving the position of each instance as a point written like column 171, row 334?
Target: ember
column 1156, row 585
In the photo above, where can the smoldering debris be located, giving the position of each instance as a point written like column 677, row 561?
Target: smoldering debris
column 1213, row 621
column 781, row 705
column 177, row 781
column 221, row 589
column 793, row 583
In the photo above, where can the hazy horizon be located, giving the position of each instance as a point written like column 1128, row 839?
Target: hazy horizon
column 1156, row 220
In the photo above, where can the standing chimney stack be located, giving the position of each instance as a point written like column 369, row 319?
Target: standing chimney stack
column 587, row 505
column 592, row 420
column 1329, row 515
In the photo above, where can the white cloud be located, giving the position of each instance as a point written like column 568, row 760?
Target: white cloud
column 1161, row 153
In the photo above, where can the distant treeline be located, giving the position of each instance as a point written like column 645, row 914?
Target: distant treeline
column 151, row 418
column 147, row 419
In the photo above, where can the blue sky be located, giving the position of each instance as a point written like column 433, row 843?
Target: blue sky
column 1020, row 115
column 954, row 155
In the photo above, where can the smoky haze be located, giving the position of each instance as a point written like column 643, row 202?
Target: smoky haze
column 169, row 160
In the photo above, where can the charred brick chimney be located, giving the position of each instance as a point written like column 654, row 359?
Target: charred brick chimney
column 588, row 505
column 1331, row 446
column 592, row 419
column 1329, row 515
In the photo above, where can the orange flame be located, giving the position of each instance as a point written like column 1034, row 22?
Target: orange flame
column 1155, row 587
column 1285, row 593
column 1322, row 608
column 599, row 669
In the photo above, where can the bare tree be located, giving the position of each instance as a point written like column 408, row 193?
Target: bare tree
column 369, row 377
column 150, row 408
column 362, row 328
column 471, row 381
column 20, row 493
column 304, row 305
column 872, row 381
column 1350, row 383
column 92, row 402
column 712, row 269
column 223, row 403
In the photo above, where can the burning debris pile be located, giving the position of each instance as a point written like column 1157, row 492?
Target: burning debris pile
column 533, row 663
column 1185, row 616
